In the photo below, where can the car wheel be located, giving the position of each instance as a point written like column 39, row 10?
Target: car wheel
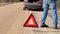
column 24, row 8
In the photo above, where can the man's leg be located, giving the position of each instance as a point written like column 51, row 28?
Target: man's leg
column 54, row 14
column 45, row 12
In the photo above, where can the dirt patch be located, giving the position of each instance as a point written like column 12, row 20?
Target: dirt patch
column 58, row 4
column 5, row 3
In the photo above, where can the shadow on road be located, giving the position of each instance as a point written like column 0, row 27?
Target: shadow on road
column 36, row 9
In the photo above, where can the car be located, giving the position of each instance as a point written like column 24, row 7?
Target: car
column 21, row 0
column 33, row 4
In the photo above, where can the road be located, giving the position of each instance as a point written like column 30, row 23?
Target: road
column 12, row 18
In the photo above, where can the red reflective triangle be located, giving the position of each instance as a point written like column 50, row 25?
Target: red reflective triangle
column 31, row 25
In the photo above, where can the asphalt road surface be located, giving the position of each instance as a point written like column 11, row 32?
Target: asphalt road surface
column 12, row 18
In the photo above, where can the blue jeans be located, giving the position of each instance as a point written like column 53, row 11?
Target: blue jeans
column 52, row 4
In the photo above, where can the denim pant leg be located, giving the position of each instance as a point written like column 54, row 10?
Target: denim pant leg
column 44, row 14
column 54, row 13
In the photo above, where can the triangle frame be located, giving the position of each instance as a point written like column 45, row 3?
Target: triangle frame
column 30, row 25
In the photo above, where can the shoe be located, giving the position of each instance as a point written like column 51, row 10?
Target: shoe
column 44, row 25
column 55, row 28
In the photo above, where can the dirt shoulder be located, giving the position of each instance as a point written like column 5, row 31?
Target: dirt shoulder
column 5, row 3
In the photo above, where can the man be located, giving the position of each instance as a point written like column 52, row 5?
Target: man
column 52, row 4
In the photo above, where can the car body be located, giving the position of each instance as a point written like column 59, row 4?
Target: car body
column 33, row 4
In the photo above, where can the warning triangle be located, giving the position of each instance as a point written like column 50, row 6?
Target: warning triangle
column 31, row 22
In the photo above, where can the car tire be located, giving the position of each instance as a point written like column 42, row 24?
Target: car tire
column 24, row 8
